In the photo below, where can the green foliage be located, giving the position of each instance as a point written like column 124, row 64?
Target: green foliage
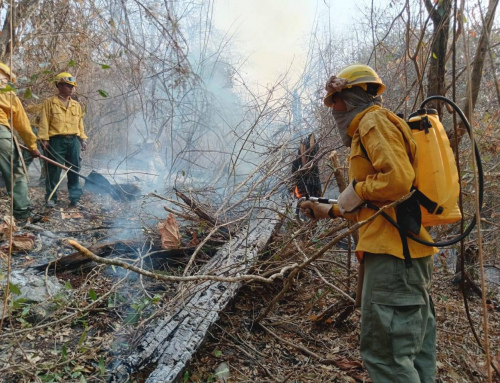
column 49, row 377
column 64, row 352
column 102, row 366
column 92, row 294
column 103, row 93
column 27, row 94
column 9, row 88
column 82, row 337
column 139, row 309
column 14, row 289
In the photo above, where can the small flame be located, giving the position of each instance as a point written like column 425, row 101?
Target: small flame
column 297, row 193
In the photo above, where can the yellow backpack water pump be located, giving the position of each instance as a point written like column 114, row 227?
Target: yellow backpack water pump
column 437, row 175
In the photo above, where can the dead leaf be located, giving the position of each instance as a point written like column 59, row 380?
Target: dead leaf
column 21, row 242
column 195, row 241
column 75, row 215
column 169, row 232
column 346, row 364
column 5, row 226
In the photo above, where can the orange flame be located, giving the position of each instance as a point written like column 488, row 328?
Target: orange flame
column 297, row 193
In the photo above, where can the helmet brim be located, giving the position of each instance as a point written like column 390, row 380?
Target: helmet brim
column 66, row 82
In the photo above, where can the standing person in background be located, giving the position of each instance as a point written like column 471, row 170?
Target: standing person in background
column 12, row 110
column 398, row 326
column 63, row 136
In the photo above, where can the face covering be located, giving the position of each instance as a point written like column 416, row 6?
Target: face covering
column 356, row 100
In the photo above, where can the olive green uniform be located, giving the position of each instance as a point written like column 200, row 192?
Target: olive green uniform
column 398, row 332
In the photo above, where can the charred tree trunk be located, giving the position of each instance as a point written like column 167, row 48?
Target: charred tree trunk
column 439, row 13
column 169, row 342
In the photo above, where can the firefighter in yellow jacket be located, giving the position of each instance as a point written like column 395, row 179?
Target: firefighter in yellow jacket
column 63, row 136
column 398, row 327
column 12, row 110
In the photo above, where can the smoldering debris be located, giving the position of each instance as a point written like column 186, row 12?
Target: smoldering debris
column 119, row 192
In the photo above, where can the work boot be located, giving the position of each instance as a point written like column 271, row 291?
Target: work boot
column 32, row 218
column 75, row 204
column 50, row 204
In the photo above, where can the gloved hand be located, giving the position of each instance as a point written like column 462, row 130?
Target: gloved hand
column 315, row 210
column 349, row 200
column 35, row 153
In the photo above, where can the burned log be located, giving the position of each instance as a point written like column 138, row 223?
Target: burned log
column 78, row 261
column 170, row 340
column 159, row 257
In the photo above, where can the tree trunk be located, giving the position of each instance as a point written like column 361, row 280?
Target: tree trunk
column 22, row 12
column 477, row 68
column 440, row 16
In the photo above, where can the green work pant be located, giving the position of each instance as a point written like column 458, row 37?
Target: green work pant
column 21, row 199
column 398, row 326
column 66, row 151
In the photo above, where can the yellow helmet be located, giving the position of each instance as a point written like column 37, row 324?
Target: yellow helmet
column 6, row 70
column 358, row 75
column 66, row 78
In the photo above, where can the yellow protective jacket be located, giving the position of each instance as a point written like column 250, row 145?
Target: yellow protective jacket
column 387, row 175
column 20, row 121
column 56, row 119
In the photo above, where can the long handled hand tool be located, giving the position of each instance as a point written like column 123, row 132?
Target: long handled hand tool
column 106, row 188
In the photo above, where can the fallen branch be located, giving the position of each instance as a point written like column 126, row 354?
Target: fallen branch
column 173, row 278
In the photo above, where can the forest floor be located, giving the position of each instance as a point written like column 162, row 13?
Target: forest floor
column 97, row 313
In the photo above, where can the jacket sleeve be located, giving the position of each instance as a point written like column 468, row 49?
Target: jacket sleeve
column 22, row 124
column 43, row 126
column 80, row 123
column 386, row 149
